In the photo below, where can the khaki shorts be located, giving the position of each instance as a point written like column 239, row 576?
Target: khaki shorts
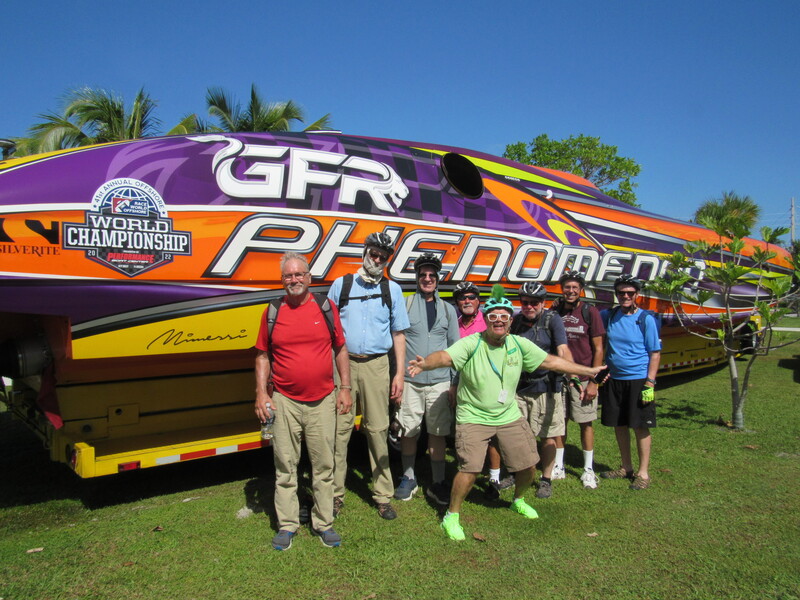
column 515, row 441
column 580, row 412
column 429, row 401
column 544, row 412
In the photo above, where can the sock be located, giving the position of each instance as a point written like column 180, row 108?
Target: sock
column 545, row 479
column 437, row 471
column 588, row 460
column 494, row 474
column 408, row 464
column 560, row 457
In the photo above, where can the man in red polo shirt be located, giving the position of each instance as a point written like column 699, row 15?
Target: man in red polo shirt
column 294, row 355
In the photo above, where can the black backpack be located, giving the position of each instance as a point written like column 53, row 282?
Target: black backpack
column 324, row 306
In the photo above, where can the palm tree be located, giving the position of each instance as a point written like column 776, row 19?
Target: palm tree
column 731, row 215
column 93, row 116
column 258, row 115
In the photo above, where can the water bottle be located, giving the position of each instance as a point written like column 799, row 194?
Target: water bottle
column 266, row 426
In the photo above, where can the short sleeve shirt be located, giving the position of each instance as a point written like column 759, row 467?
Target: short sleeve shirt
column 489, row 377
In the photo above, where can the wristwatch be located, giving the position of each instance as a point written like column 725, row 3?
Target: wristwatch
column 648, row 380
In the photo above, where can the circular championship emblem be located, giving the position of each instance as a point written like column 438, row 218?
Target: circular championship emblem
column 128, row 197
column 127, row 229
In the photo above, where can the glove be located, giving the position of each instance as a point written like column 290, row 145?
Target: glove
column 648, row 395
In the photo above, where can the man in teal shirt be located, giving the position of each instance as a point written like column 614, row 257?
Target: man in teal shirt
column 490, row 364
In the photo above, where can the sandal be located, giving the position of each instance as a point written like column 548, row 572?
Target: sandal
column 640, row 483
column 620, row 473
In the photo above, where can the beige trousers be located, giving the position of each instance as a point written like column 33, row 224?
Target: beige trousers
column 370, row 381
column 316, row 422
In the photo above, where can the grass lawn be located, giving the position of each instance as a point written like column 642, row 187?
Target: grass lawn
column 721, row 520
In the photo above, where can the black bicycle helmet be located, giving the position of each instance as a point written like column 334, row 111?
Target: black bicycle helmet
column 572, row 276
column 381, row 241
column 465, row 287
column 627, row 279
column 533, row 289
column 429, row 259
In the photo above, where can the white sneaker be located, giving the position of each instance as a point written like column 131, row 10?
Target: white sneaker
column 589, row 479
column 558, row 473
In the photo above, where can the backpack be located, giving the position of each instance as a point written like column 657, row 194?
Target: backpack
column 347, row 285
column 640, row 319
column 585, row 312
column 542, row 324
column 275, row 305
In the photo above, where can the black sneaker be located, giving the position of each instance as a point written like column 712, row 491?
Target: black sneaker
column 329, row 538
column 386, row 511
column 506, row 482
column 283, row 539
column 492, row 491
column 545, row 489
column 439, row 493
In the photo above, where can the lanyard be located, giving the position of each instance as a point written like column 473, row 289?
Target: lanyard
column 488, row 357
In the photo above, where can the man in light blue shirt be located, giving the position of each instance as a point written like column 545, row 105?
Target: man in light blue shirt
column 374, row 319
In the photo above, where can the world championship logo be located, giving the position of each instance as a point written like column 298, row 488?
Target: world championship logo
column 127, row 229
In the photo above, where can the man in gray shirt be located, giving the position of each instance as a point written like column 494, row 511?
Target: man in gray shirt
column 434, row 326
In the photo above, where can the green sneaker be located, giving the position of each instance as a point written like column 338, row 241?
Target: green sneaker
column 452, row 527
column 526, row 510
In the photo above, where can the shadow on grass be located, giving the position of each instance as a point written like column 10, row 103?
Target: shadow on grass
column 30, row 477
column 792, row 364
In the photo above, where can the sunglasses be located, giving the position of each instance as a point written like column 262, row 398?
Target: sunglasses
column 378, row 256
column 468, row 297
column 530, row 302
column 428, row 276
column 626, row 293
column 502, row 317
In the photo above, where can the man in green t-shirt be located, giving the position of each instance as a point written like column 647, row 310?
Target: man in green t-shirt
column 490, row 364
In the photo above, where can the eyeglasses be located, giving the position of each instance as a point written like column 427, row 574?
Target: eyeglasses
column 378, row 256
column 290, row 276
column 630, row 294
column 530, row 302
column 468, row 297
column 502, row 317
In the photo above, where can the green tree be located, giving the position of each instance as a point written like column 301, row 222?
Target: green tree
column 93, row 116
column 258, row 115
column 732, row 214
column 584, row 156
column 732, row 262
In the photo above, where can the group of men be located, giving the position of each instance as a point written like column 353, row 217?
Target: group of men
column 498, row 370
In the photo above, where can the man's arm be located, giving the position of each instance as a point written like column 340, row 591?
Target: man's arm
column 652, row 367
column 399, row 345
column 344, row 399
column 436, row 360
column 598, row 354
column 263, row 399
column 562, row 365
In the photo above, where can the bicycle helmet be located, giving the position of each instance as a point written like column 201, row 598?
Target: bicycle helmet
column 627, row 279
column 428, row 259
column 379, row 240
column 497, row 300
column 465, row 287
column 533, row 289
column 572, row 276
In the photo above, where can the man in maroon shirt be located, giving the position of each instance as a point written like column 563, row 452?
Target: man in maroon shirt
column 585, row 332
column 294, row 383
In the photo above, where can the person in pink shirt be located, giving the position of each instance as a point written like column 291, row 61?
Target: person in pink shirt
column 468, row 301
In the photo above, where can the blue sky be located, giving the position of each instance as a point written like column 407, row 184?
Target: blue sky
column 704, row 95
